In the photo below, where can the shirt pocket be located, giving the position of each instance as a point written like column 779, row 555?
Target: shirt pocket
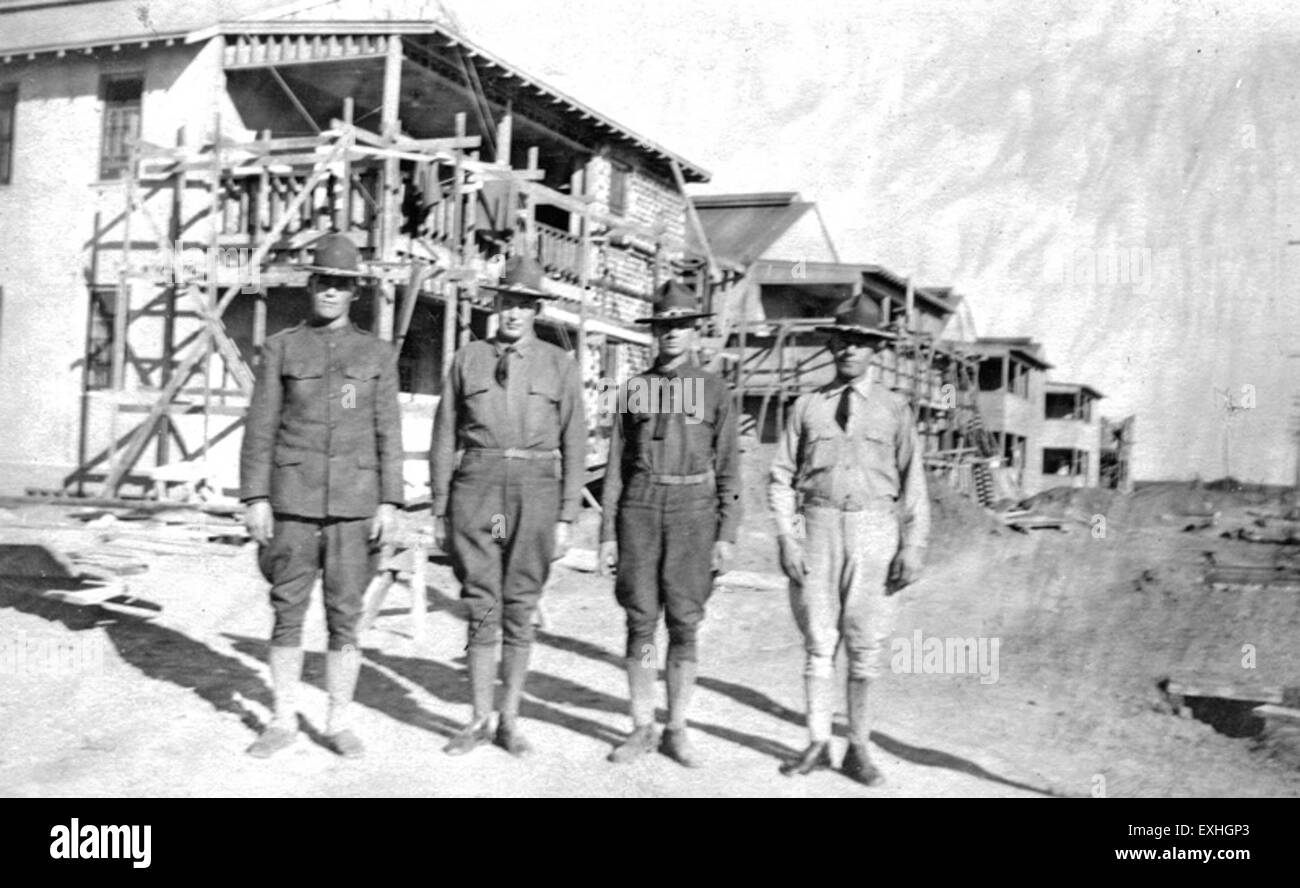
column 543, row 416
column 359, row 377
column 299, row 372
column 877, row 449
column 821, row 454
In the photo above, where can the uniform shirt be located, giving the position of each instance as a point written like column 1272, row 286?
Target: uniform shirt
column 323, row 434
column 878, row 457
column 707, row 440
column 540, row 409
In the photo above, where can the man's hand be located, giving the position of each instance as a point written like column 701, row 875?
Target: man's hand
column 561, row 539
column 905, row 569
column 724, row 555
column 792, row 558
column 440, row 532
column 260, row 521
column 384, row 528
column 607, row 558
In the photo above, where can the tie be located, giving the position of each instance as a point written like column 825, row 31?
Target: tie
column 503, row 366
column 661, row 417
column 842, row 409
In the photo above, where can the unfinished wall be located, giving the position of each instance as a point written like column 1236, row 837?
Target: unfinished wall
column 47, row 218
column 1074, row 434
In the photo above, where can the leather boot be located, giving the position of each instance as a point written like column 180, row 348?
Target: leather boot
column 514, row 672
column 341, row 669
column 641, row 689
column 482, row 666
column 286, row 675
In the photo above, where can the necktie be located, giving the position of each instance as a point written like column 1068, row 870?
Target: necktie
column 661, row 417
column 503, row 366
column 842, row 409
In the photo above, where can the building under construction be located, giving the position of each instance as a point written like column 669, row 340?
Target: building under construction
column 164, row 183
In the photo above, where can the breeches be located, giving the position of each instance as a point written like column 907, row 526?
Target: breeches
column 338, row 548
column 665, row 562
column 502, row 514
column 842, row 596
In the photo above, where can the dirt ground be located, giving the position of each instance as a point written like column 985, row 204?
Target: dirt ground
column 1087, row 628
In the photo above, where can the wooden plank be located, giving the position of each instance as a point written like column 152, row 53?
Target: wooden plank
column 1198, row 688
column 1275, row 713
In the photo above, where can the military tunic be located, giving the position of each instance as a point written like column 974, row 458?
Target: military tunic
column 672, row 489
column 507, row 462
column 322, row 443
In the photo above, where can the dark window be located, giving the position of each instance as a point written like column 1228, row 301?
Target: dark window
column 8, row 111
column 619, row 175
column 122, row 97
column 1019, row 377
column 99, row 338
column 990, row 374
column 1064, row 461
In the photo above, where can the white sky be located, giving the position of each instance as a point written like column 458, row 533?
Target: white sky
column 990, row 145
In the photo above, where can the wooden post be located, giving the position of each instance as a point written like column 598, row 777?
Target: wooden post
column 529, row 224
column 343, row 209
column 468, row 250
column 584, row 261
column 122, row 310
column 390, row 200
column 259, row 307
column 213, row 294
column 505, row 130
column 174, row 250
column 450, row 285
column 909, row 306
column 744, row 329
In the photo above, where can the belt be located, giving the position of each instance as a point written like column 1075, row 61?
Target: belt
column 515, row 453
column 851, row 503
column 655, row 478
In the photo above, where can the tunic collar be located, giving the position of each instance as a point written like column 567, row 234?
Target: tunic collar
column 521, row 345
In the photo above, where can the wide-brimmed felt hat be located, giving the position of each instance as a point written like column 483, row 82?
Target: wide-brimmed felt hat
column 522, row 276
column 674, row 301
column 336, row 255
column 858, row 316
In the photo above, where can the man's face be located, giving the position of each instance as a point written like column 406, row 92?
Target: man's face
column 675, row 338
column 852, row 354
column 516, row 315
column 331, row 296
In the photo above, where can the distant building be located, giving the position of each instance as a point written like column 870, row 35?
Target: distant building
column 1048, row 433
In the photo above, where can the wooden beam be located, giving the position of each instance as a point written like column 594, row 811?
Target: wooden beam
column 694, row 217
column 293, row 99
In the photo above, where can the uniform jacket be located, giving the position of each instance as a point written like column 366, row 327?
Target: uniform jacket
column 541, row 409
column 877, row 458
column 698, row 434
column 323, row 435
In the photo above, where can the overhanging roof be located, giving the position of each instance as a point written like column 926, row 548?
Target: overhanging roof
column 1063, row 387
column 29, row 28
column 741, row 227
column 1021, row 347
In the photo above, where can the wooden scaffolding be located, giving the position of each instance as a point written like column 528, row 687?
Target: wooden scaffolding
column 269, row 200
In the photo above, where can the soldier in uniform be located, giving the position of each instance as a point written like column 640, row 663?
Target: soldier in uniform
column 507, row 466
column 851, row 454
column 671, row 508
column 321, row 472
